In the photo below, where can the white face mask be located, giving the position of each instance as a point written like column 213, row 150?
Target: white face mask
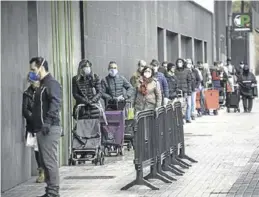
column 155, row 68
column 113, row 72
column 180, row 64
column 189, row 66
column 242, row 65
column 147, row 74
column 86, row 70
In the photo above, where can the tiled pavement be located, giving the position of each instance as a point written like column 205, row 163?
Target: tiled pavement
column 226, row 147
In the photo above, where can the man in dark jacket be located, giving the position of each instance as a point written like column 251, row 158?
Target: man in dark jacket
column 113, row 87
column 27, row 105
column 86, row 89
column 248, row 88
column 46, row 122
column 196, row 82
column 185, row 85
column 162, row 81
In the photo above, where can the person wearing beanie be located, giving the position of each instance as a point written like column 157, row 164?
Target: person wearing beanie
column 185, row 85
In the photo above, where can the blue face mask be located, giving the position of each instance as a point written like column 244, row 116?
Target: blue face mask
column 33, row 76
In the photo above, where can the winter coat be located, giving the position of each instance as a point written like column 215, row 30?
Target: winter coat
column 163, row 84
column 134, row 79
column 27, row 104
column 184, row 80
column 87, row 89
column 113, row 87
column 245, row 88
column 172, row 85
column 152, row 100
column 196, row 80
column 206, row 76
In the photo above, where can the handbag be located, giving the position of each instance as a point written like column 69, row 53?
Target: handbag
column 31, row 141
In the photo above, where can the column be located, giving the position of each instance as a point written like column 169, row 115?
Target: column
column 193, row 50
column 164, row 46
column 179, row 45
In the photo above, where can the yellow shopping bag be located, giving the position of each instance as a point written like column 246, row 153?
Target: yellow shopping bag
column 130, row 114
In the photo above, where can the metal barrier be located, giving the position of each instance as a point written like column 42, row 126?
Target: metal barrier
column 159, row 140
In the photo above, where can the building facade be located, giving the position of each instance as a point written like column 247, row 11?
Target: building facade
column 65, row 32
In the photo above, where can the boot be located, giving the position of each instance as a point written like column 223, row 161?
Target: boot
column 41, row 177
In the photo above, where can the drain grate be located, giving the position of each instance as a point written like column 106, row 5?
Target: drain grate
column 201, row 135
column 218, row 192
column 89, row 177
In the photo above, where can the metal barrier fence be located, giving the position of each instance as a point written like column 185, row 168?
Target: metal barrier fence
column 159, row 144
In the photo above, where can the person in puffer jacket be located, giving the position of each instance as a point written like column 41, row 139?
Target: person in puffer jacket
column 113, row 87
column 171, row 80
column 184, row 84
column 86, row 89
column 162, row 80
column 196, row 82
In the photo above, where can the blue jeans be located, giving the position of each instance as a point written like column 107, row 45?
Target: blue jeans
column 193, row 103
column 202, row 101
column 188, row 108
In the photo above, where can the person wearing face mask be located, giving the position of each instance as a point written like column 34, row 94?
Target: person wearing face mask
column 46, row 112
column 231, row 73
column 27, row 104
column 86, row 89
column 239, row 69
column 113, row 87
column 162, row 80
column 196, row 82
column 134, row 79
column 248, row 88
column 206, row 81
column 171, row 80
column 148, row 93
column 185, row 85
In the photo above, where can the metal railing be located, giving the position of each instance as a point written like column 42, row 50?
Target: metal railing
column 159, row 145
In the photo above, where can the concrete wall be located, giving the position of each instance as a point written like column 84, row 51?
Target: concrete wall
column 127, row 31
column 48, row 29
column 15, row 158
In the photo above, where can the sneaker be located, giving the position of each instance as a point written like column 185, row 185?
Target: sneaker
column 188, row 121
column 41, row 177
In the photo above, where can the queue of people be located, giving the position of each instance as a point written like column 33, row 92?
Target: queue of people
column 151, row 86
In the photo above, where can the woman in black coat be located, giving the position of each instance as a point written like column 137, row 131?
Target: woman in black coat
column 86, row 89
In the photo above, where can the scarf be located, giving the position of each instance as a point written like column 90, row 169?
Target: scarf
column 143, row 86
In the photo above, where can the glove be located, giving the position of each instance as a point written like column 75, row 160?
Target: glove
column 45, row 129
column 120, row 98
column 166, row 100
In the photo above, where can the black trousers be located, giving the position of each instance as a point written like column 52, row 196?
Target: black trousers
column 247, row 103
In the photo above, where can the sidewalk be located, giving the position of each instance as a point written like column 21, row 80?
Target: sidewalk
column 226, row 147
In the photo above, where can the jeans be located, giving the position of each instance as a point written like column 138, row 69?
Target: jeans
column 193, row 103
column 202, row 101
column 188, row 108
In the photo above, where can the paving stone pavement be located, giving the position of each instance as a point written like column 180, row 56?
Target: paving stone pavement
column 226, row 147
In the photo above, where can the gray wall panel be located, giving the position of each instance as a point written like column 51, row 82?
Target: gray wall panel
column 15, row 158
column 129, row 30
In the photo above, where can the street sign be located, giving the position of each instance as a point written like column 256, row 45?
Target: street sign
column 242, row 22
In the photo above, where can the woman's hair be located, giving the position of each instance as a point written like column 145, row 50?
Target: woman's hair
column 81, row 65
column 170, row 66
column 148, row 67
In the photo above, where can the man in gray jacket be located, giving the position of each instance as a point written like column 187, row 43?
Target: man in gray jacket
column 114, row 86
